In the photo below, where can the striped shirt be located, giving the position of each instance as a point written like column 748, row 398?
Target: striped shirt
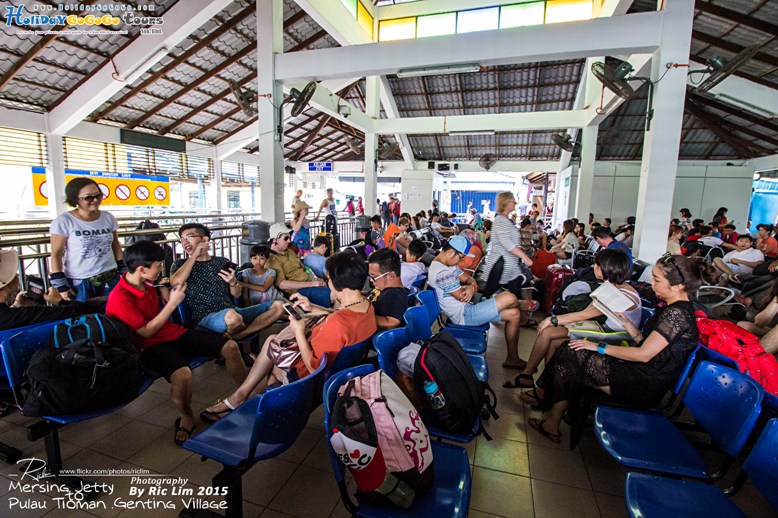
column 505, row 237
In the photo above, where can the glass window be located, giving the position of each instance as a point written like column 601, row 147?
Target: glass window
column 233, row 199
column 397, row 29
column 365, row 19
column 478, row 20
column 558, row 11
column 436, row 25
column 520, row 15
column 351, row 5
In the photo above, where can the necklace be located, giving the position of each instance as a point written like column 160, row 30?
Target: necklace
column 352, row 304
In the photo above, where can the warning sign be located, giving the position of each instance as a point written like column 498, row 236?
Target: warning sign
column 119, row 189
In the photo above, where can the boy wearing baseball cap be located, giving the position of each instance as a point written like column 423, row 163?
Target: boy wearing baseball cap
column 455, row 290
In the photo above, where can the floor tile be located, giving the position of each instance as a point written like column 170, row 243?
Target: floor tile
column 326, row 494
column 556, row 501
column 131, row 438
column 302, row 446
column 265, row 479
column 508, row 426
column 611, row 506
column 502, row 494
column 606, row 475
column 558, row 466
column 161, row 456
column 502, row 455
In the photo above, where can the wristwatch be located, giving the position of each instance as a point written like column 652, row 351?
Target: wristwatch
column 554, row 321
column 601, row 346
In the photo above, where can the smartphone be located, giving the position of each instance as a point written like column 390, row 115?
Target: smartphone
column 35, row 289
column 229, row 266
column 294, row 311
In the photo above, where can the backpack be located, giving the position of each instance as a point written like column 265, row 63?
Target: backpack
column 729, row 339
column 541, row 261
column 85, row 369
column 443, row 361
column 145, row 225
column 375, row 429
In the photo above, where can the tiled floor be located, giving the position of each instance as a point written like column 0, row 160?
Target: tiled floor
column 519, row 473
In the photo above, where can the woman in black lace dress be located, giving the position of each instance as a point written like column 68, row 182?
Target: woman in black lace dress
column 637, row 376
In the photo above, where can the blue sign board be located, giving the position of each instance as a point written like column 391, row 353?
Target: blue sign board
column 319, row 167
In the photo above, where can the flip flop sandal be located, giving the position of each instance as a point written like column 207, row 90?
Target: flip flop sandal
column 210, row 416
column 520, row 381
column 531, row 397
column 537, row 424
column 179, row 429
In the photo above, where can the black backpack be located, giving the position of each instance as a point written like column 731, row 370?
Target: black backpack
column 96, row 327
column 443, row 361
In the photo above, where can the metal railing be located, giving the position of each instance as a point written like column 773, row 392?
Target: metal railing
column 32, row 242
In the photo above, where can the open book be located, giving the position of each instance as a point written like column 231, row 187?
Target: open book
column 610, row 301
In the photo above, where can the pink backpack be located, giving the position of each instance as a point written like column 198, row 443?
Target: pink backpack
column 373, row 409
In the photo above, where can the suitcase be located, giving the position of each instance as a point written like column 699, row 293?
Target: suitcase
column 556, row 275
column 331, row 227
column 541, row 261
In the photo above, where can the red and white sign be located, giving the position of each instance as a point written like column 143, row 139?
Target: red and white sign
column 105, row 190
column 122, row 192
column 142, row 192
column 44, row 190
column 160, row 193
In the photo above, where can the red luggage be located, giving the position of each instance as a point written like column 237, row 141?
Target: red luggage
column 554, row 281
column 541, row 261
column 733, row 341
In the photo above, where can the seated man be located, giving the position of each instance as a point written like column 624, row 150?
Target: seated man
column 604, row 238
column 166, row 347
column 438, row 229
column 413, row 268
column 765, row 242
column 210, row 297
column 729, row 237
column 455, row 289
column 291, row 276
column 25, row 312
column 706, row 237
column 375, row 232
column 315, row 260
column 389, row 297
column 740, row 261
column 396, row 236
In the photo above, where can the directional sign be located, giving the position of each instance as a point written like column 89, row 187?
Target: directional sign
column 319, row 167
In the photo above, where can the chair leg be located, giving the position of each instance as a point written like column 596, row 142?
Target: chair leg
column 53, row 465
column 233, row 481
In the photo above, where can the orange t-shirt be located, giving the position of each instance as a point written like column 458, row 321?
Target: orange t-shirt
column 769, row 246
column 338, row 330
column 467, row 264
column 390, row 236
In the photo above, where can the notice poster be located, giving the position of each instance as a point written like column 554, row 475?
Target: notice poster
column 119, row 189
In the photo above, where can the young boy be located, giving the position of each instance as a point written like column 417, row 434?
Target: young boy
column 411, row 269
column 258, row 281
column 315, row 260
column 165, row 347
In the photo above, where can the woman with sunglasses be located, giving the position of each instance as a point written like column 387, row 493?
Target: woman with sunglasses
column 86, row 255
column 636, row 376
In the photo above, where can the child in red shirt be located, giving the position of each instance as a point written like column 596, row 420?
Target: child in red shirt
column 166, row 348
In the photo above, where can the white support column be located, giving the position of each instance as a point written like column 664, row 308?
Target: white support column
column 271, row 153
column 583, row 193
column 216, row 191
column 372, row 108
column 55, row 174
column 662, row 142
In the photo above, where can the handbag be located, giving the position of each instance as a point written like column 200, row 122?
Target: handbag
column 283, row 349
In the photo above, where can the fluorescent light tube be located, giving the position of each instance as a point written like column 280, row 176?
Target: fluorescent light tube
column 135, row 72
column 738, row 103
column 471, row 132
column 438, row 70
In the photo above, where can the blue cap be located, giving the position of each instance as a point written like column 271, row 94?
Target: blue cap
column 461, row 245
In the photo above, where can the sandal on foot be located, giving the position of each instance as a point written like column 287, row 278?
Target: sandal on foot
column 537, row 424
column 533, row 306
column 520, row 365
column 520, row 381
column 181, row 429
column 211, row 416
column 531, row 397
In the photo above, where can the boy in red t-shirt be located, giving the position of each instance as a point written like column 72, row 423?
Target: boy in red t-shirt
column 166, row 348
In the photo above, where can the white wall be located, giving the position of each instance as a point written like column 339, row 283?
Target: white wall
column 417, row 190
column 700, row 188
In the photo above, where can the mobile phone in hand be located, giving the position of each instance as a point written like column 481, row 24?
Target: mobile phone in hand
column 295, row 312
column 229, row 266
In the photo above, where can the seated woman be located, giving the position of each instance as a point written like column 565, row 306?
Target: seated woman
column 610, row 265
column 673, row 239
column 764, row 324
column 352, row 322
column 580, row 232
column 525, row 237
column 565, row 247
column 469, row 264
column 635, row 376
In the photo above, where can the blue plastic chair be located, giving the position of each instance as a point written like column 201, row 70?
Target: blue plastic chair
column 412, row 292
column 261, row 428
column 429, row 300
column 419, row 330
column 348, row 357
column 710, row 355
column 651, row 496
column 645, row 314
column 724, row 402
column 450, row 496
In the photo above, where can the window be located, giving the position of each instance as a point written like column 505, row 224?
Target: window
column 397, row 29
column 520, row 15
column 25, row 148
column 478, row 20
column 558, row 11
column 364, row 19
column 194, row 199
column 351, row 5
column 233, row 199
column 436, row 25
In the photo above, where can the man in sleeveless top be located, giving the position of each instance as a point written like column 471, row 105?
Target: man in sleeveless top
column 329, row 207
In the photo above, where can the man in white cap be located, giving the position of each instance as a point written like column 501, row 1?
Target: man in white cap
column 291, row 275
column 25, row 312
column 455, row 291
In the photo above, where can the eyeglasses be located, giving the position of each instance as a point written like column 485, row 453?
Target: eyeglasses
column 89, row 198
column 669, row 259
column 374, row 279
column 189, row 238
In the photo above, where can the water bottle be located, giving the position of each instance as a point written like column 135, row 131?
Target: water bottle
column 437, row 402
column 397, row 491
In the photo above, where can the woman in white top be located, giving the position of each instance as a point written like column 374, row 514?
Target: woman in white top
column 565, row 248
column 507, row 244
column 674, row 240
column 85, row 251
column 609, row 264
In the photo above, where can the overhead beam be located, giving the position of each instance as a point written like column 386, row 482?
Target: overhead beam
column 548, row 120
column 180, row 21
column 325, row 100
column 629, row 34
column 733, row 47
column 610, row 102
column 390, row 107
column 737, row 17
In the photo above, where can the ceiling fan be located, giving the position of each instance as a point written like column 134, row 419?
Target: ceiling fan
column 616, row 79
column 566, row 142
column 720, row 68
column 487, row 160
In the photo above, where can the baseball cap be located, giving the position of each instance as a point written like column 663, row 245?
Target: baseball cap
column 300, row 205
column 461, row 245
column 277, row 229
column 9, row 266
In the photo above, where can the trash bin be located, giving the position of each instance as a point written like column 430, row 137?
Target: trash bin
column 253, row 233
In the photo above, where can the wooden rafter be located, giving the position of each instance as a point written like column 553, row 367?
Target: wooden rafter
column 742, row 114
column 323, row 120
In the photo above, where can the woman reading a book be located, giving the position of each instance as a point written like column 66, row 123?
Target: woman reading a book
column 636, row 376
column 611, row 265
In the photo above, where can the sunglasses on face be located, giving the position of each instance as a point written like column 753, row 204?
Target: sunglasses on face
column 89, row 198
column 285, row 237
column 669, row 259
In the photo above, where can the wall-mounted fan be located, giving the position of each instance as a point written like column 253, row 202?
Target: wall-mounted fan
column 300, row 98
column 387, row 150
column 720, row 68
column 487, row 160
column 617, row 81
column 565, row 141
column 244, row 98
column 354, row 145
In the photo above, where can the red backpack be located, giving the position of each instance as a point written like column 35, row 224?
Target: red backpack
column 727, row 338
column 541, row 261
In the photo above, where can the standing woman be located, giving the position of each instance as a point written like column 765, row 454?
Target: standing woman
column 302, row 228
column 506, row 244
column 721, row 217
column 85, row 251
column 685, row 221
